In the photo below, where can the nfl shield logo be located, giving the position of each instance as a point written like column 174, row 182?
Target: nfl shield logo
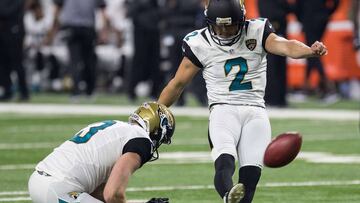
column 251, row 44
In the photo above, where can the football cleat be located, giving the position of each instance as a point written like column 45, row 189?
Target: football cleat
column 235, row 195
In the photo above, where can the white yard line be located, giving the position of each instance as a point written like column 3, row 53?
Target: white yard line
column 200, row 187
column 17, row 193
column 17, row 167
column 17, row 199
column 50, row 145
column 62, row 109
column 204, row 157
column 14, row 199
column 30, row 145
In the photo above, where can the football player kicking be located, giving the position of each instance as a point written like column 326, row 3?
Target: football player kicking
column 95, row 165
column 231, row 54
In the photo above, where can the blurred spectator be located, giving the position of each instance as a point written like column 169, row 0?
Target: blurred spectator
column 119, row 48
column 11, row 48
column 77, row 17
column 355, row 83
column 145, row 65
column 356, row 21
column 181, row 17
column 37, row 25
column 314, row 16
column 276, row 88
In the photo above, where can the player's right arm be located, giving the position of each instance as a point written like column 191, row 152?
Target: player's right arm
column 136, row 152
column 125, row 166
column 185, row 73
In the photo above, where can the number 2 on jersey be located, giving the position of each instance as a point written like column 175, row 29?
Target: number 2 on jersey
column 237, row 84
column 85, row 134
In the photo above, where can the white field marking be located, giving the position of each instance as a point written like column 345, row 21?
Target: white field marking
column 50, row 145
column 329, row 158
column 193, row 141
column 17, row 193
column 279, row 184
column 41, row 129
column 80, row 109
column 15, row 199
column 311, row 183
column 204, row 157
column 30, row 145
column 17, row 167
column 312, row 157
column 137, row 201
column 206, row 187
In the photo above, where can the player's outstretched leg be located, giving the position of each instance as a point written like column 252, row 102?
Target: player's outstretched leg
column 224, row 170
column 249, row 176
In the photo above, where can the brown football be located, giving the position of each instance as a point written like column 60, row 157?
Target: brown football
column 282, row 149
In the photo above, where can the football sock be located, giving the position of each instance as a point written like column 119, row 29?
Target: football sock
column 249, row 176
column 224, row 170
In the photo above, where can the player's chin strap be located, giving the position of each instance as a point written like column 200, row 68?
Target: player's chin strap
column 164, row 129
column 135, row 117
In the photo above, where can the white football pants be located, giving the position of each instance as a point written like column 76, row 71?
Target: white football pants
column 241, row 131
column 47, row 189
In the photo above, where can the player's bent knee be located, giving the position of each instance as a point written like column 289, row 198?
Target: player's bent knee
column 225, row 161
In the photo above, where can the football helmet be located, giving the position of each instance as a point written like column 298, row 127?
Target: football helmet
column 157, row 120
column 225, row 19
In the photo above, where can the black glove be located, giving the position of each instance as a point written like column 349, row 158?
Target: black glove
column 158, row 200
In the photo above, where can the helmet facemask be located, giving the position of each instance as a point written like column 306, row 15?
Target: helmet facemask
column 225, row 40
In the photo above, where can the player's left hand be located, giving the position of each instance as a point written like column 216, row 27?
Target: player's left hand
column 319, row 49
column 158, row 200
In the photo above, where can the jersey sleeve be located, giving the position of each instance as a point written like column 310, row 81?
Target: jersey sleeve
column 140, row 146
column 187, row 52
column 268, row 29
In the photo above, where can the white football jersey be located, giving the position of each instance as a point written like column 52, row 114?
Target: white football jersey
column 86, row 160
column 233, row 74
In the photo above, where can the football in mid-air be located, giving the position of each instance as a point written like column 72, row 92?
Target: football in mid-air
column 282, row 149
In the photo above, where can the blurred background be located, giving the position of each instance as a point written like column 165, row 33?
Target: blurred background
column 76, row 51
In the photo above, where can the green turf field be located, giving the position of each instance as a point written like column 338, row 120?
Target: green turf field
column 26, row 139
column 121, row 99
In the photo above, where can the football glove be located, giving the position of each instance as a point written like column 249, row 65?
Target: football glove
column 158, row 200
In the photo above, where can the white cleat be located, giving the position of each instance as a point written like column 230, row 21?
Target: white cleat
column 236, row 194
